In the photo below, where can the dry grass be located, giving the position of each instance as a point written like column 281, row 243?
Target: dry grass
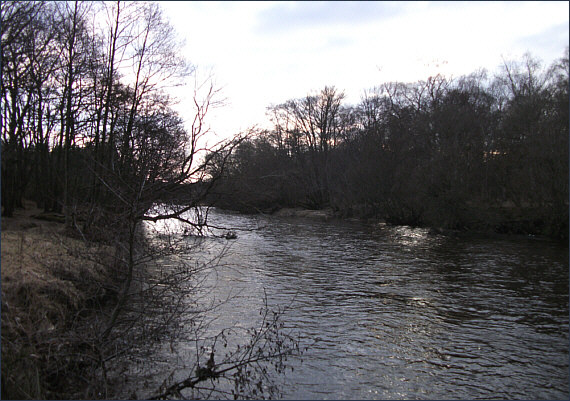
column 54, row 290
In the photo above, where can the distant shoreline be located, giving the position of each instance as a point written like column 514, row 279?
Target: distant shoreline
column 506, row 221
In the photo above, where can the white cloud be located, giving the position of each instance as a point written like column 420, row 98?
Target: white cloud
column 268, row 52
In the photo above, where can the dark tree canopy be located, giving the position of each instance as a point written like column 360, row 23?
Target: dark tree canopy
column 475, row 152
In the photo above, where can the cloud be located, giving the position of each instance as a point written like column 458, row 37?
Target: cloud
column 550, row 42
column 288, row 16
column 268, row 52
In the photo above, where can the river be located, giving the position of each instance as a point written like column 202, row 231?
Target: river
column 399, row 313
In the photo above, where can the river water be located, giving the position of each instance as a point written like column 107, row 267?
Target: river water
column 399, row 313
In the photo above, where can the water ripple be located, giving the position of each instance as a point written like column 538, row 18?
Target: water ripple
column 398, row 313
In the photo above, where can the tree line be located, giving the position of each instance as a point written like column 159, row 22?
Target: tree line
column 90, row 134
column 87, row 122
column 479, row 151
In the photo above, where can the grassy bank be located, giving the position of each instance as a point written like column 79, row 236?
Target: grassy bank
column 55, row 294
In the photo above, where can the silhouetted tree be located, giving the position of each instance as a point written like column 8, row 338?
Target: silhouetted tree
column 440, row 152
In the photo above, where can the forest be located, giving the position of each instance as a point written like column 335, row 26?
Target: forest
column 476, row 152
column 91, row 137
column 86, row 120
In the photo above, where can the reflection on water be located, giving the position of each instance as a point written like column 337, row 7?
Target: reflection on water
column 399, row 313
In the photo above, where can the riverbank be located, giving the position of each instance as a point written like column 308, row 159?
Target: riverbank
column 324, row 214
column 55, row 293
column 502, row 220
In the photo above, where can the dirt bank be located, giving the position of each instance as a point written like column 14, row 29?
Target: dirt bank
column 54, row 292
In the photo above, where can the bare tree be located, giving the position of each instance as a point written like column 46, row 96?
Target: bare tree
column 24, row 44
column 123, row 157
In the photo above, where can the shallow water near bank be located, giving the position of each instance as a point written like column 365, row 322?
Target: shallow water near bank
column 399, row 313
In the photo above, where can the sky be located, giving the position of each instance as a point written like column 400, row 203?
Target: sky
column 265, row 53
